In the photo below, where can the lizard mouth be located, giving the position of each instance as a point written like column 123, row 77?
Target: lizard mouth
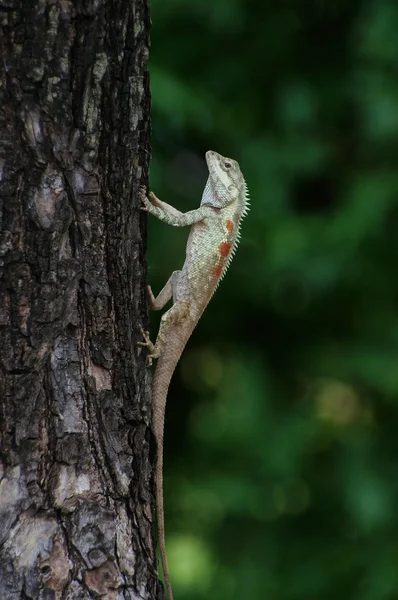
column 213, row 160
column 210, row 154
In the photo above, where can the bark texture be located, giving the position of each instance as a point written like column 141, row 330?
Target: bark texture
column 75, row 470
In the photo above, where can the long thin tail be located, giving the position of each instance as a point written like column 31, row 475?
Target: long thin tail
column 161, row 380
column 160, row 519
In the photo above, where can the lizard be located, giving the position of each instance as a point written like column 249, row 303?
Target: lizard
column 214, row 235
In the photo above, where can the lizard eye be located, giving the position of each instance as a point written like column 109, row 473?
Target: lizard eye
column 227, row 164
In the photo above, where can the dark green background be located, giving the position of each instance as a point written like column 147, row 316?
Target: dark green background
column 281, row 454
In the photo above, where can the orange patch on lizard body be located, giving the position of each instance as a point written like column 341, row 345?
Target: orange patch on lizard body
column 224, row 248
column 216, row 271
column 229, row 225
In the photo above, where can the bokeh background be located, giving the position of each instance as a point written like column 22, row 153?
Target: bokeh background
column 281, row 478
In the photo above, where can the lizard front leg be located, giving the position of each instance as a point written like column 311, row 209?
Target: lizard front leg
column 166, row 213
column 162, row 205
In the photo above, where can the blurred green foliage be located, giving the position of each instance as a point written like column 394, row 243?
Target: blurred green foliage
column 282, row 425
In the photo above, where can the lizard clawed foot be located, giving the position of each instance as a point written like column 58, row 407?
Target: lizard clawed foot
column 145, row 203
column 153, row 352
column 148, row 201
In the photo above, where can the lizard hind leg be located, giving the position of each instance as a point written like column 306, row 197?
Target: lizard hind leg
column 177, row 313
column 157, row 303
column 173, row 316
column 152, row 353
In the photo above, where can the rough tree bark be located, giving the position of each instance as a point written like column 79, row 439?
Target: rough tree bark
column 75, row 463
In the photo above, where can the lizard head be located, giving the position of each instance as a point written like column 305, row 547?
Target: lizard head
column 225, row 183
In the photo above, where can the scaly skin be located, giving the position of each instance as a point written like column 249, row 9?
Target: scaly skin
column 211, row 244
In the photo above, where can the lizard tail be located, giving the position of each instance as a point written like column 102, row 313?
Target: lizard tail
column 160, row 518
column 165, row 367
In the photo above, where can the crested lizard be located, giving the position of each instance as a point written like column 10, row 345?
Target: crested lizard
column 211, row 245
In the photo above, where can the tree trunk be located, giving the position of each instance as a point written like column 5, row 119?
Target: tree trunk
column 75, row 470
